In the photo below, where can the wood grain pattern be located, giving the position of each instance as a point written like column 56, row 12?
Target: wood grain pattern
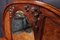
column 23, row 36
column 51, row 29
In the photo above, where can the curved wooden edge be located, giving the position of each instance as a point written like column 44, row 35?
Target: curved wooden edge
column 42, row 4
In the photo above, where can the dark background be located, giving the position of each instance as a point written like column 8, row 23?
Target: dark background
column 55, row 3
column 3, row 3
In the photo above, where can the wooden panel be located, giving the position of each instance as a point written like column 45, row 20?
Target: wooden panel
column 51, row 28
column 51, row 31
column 23, row 36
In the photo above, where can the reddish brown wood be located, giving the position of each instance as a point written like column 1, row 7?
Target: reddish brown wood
column 48, row 24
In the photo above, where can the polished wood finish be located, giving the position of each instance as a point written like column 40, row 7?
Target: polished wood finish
column 48, row 23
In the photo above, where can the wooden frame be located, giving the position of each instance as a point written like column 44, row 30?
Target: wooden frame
column 54, row 15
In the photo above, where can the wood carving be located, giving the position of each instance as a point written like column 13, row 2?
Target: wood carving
column 44, row 18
